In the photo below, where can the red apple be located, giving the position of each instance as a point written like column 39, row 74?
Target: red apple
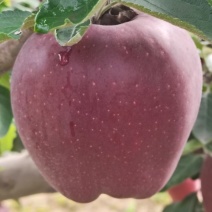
column 206, row 182
column 112, row 113
column 182, row 190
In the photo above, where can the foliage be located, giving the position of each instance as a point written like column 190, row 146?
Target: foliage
column 189, row 204
column 11, row 24
column 199, row 143
column 188, row 167
column 52, row 15
column 6, row 142
column 6, row 111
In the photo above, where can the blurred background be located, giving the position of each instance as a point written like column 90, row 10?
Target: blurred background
column 58, row 203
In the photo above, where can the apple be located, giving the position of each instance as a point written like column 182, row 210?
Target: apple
column 112, row 113
column 206, row 183
column 182, row 190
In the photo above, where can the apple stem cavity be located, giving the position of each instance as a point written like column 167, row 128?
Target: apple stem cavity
column 114, row 15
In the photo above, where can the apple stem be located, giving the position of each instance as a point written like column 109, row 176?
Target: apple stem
column 104, row 9
column 114, row 14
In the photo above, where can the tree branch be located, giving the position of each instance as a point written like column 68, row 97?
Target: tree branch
column 20, row 177
column 9, row 51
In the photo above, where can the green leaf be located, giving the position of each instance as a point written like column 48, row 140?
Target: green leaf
column 5, row 80
column 210, row 2
column 188, row 167
column 202, row 129
column 10, row 24
column 4, row 37
column 29, row 22
column 191, row 146
column 197, row 42
column 17, row 144
column 6, row 143
column 209, row 148
column 56, row 13
column 8, row 3
column 71, row 35
column 28, row 5
column 195, row 16
column 5, row 111
column 2, row 6
column 189, row 204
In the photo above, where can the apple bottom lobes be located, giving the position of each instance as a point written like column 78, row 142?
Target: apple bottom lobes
column 112, row 113
column 206, row 178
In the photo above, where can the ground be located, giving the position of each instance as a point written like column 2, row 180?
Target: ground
column 57, row 203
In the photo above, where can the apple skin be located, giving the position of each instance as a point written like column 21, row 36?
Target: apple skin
column 182, row 190
column 115, row 118
column 206, row 183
